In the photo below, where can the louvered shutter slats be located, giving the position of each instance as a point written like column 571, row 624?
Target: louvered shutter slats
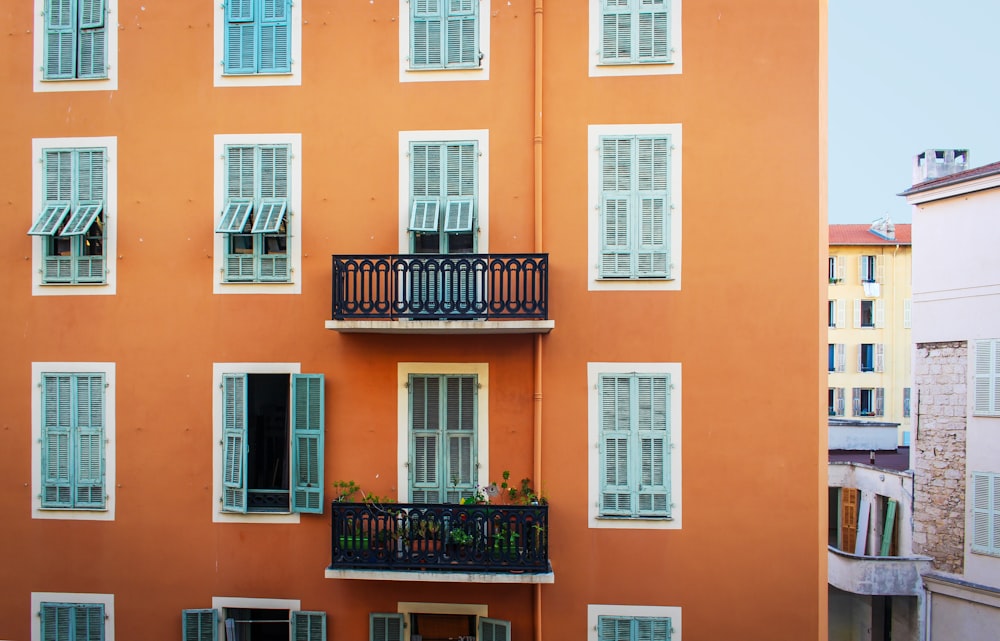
column 82, row 219
column 234, row 442
column 385, row 627
column 60, row 40
column 308, row 626
column 269, row 217
column 493, row 630
column 199, row 625
column 635, row 31
column 443, row 411
column 307, row 443
column 444, row 34
column 424, row 215
column 275, row 37
column 48, row 222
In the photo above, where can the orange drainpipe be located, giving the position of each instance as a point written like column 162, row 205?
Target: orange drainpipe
column 537, row 355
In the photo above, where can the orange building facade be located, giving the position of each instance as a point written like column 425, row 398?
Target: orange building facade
column 276, row 247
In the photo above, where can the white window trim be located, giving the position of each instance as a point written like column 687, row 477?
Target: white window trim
column 403, row 372
column 293, row 214
column 71, row 514
column 292, row 79
column 599, row 69
column 218, row 369
column 110, row 285
column 38, row 598
column 96, row 84
column 594, row 281
column 594, row 519
column 595, row 610
column 444, row 75
column 482, row 139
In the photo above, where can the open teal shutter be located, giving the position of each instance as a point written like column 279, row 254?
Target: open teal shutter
column 307, row 443
column 269, row 216
column 426, row 33
column 424, row 215
column 653, row 432
column 49, row 220
column 234, row 442
column 615, row 397
column 653, row 31
column 493, row 630
column 92, row 40
column 460, row 434
column 89, row 464
column 616, row 199
column 240, row 37
column 425, row 438
column 200, row 625
column 652, row 184
column 275, row 37
column 385, row 627
column 462, row 46
column 458, row 216
column 60, row 40
column 57, row 428
column 308, row 626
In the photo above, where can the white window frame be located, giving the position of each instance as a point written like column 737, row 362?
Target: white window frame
column 293, row 215
column 403, row 372
column 598, row 69
column 40, row 85
column 594, row 518
column 292, row 79
column 61, row 513
column 38, row 598
column 482, row 206
column 406, row 74
column 218, row 369
column 110, row 285
column 595, row 610
column 594, row 281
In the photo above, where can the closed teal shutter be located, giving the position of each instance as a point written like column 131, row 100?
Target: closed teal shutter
column 494, row 630
column 425, row 437
column 234, row 442
column 653, row 207
column 200, row 625
column 57, row 490
column 616, row 203
column 89, row 461
column 275, row 37
column 616, row 31
column 308, row 626
column 460, row 434
column 653, row 433
column 240, row 37
column 462, row 33
column 60, row 39
column 615, row 398
column 635, row 31
column 73, row 441
column 653, row 35
column 385, row 627
column 307, row 443
column 622, row 628
column 92, row 40
column 443, row 416
column 72, row 621
column 89, row 622
column 426, row 33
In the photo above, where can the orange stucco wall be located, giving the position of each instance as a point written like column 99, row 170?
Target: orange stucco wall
column 748, row 557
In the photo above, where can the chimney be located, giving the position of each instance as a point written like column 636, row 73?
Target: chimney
column 935, row 163
column 883, row 228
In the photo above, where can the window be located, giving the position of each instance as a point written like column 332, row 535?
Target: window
column 72, row 617
column 633, row 623
column 75, row 45
column 443, row 197
column 634, row 183
column 987, row 377
column 443, row 437
column 444, row 40
column 869, row 269
column 869, row 401
column 73, row 423
column 71, row 221
column 258, row 231
column 836, row 357
column 835, row 401
column 437, row 621
column 635, row 37
column 831, row 314
column 258, row 43
column 986, row 513
column 906, row 402
column 871, row 357
column 836, row 269
column 869, row 313
column 272, row 442
column 634, row 426
column 267, row 619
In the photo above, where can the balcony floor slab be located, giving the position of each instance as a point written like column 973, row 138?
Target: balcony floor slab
column 441, row 326
column 431, row 576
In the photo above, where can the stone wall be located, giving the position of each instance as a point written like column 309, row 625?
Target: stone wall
column 940, row 372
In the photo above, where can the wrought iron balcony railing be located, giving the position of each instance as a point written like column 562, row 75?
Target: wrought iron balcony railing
column 445, row 538
column 440, row 286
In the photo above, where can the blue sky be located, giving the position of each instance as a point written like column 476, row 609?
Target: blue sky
column 905, row 76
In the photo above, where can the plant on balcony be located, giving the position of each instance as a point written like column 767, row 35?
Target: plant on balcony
column 425, row 535
column 505, row 541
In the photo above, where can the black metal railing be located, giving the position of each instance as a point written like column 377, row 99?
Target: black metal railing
column 441, row 286
column 446, row 538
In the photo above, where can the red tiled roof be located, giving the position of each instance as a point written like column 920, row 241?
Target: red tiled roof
column 862, row 235
column 962, row 176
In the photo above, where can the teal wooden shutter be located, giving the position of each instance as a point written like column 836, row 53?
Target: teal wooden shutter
column 240, row 37
column 460, row 435
column 241, row 190
column 652, row 628
column 616, row 199
column 652, row 184
column 93, row 38
column 57, row 191
column 72, row 621
column 426, row 33
column 308, row 626
column 234, row 442
column 200, row 625
column 458, row 217
column 89, row 461
column 616, row 31
column 57, row 487
column 614, row 628
column 461, row 34
column 493, row 630
column 88, row 622
column 49, row 220
column 653, row 433
column 269, row 216
column 275, row 37
column 460, row 180
column 425, row 175
column 619, row 628
column 307, row 443
column 615, row 399
column 273, row 197
column 60, row 40
column 653, row 37
column 424, row 215
column 426, row 484
column 385, row 627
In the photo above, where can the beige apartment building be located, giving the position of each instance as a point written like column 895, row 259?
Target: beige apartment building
column 868, row 320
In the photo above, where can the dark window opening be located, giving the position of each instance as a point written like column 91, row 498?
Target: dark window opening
column 831, row 358
column 268, row 441
column 867, row 357
column 254, row 624
column 442, row 627
column 868, row 313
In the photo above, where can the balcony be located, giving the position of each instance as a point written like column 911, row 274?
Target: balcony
column 440, row 543
column 441, row 294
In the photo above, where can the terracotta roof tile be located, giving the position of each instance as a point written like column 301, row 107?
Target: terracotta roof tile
column 862, row 235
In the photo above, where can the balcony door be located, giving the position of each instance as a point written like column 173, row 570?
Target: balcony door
column 443, row 433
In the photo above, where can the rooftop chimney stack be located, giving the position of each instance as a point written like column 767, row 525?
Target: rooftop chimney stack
column 884, row 228
column 935, row 163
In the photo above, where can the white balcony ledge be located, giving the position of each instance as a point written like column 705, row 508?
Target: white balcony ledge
column 876, row 575
column 431, row 576
column 441, row 326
